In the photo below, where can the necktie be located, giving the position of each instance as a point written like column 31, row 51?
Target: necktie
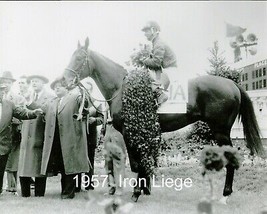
column 36, row 97
column 59, row 103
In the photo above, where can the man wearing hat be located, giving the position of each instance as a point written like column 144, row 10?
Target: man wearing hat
column 32, row 140
column 65, row 141
column 52, row 159
column 7, row 112
column 161, row 60
column 7, row 79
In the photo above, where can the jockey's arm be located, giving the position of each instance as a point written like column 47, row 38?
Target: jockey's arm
column 155, row 60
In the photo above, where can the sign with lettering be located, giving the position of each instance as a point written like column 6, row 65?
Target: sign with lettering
column 177, row 98
column 261, row 63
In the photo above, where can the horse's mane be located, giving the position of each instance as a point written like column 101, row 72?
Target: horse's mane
column 117, row 67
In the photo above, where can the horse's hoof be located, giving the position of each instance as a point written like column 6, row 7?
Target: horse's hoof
column 135, row 197
column 147, row 191
column 224, row 200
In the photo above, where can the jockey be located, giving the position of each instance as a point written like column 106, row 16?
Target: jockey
column 161, row 60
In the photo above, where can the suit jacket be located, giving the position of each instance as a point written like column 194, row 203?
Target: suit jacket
column 8, row 111
column 31, row 147
column 72, row 133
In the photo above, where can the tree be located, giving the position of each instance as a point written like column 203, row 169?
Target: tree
column 218, row 65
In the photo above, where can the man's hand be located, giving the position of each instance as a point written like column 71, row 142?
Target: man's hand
column 38, row 111
column 92, row 120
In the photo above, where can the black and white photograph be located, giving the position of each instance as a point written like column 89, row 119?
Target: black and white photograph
column 133, row 107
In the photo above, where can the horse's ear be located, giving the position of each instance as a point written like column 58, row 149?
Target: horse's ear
column 79, row 45
column 86, row 43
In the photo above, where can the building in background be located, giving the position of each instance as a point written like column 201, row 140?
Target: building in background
column 253, row 76
column 253, row 80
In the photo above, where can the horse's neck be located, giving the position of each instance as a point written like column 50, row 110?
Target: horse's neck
column 107, row 74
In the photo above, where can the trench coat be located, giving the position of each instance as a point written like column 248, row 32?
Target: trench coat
column 72, row 134
column 31, row 147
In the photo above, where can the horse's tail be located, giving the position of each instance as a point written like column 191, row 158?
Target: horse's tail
column 250, row 125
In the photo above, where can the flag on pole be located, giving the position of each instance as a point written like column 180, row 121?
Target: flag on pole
column 232, row 30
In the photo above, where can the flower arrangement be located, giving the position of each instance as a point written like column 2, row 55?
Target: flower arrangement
column 141, row 121
column 138, row 57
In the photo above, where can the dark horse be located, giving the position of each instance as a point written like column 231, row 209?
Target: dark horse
column 215, row 100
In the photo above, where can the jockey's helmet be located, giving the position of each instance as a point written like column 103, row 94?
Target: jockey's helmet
column 151, row 24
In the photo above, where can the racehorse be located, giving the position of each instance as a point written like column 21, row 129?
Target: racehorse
column 215, row 100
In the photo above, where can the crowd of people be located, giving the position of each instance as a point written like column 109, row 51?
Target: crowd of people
column 43, row 133
column 41, row 136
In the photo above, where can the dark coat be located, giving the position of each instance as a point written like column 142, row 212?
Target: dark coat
column 72, row 134
column 32, row 142
column 8, row 111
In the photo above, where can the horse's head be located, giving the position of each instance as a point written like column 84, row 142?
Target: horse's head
column 79, row 66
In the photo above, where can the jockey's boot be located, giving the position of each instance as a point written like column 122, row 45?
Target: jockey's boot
column 161, row 97
column 147, row 187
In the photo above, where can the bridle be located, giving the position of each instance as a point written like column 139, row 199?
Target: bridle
column 84, row 90
column 77, row 72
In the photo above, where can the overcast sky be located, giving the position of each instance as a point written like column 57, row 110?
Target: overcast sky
column 40, row 37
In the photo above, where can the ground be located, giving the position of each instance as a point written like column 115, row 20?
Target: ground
column 249, row 197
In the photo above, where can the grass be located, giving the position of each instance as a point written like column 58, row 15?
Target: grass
column 249, row 197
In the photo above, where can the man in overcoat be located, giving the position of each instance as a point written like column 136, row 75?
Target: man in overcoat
column 7, row 112
column 32, row 141
column 65, row 142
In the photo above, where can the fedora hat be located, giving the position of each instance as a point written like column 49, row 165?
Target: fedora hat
column 7, row 75
column 57, row 80
column 38, row 77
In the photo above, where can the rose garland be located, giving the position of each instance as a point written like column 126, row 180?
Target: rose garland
column 138, row 57
column 139, row 112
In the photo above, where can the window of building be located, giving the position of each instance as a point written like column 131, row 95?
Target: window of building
column 243, row 77
column 246, row 86
column 246, row 76
column 253, row 86
column 264, row 72
column 256, row 73
column 264, row 83
column 260, row 84
column 253, row 74
column 257, row 85
column 260, row 74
